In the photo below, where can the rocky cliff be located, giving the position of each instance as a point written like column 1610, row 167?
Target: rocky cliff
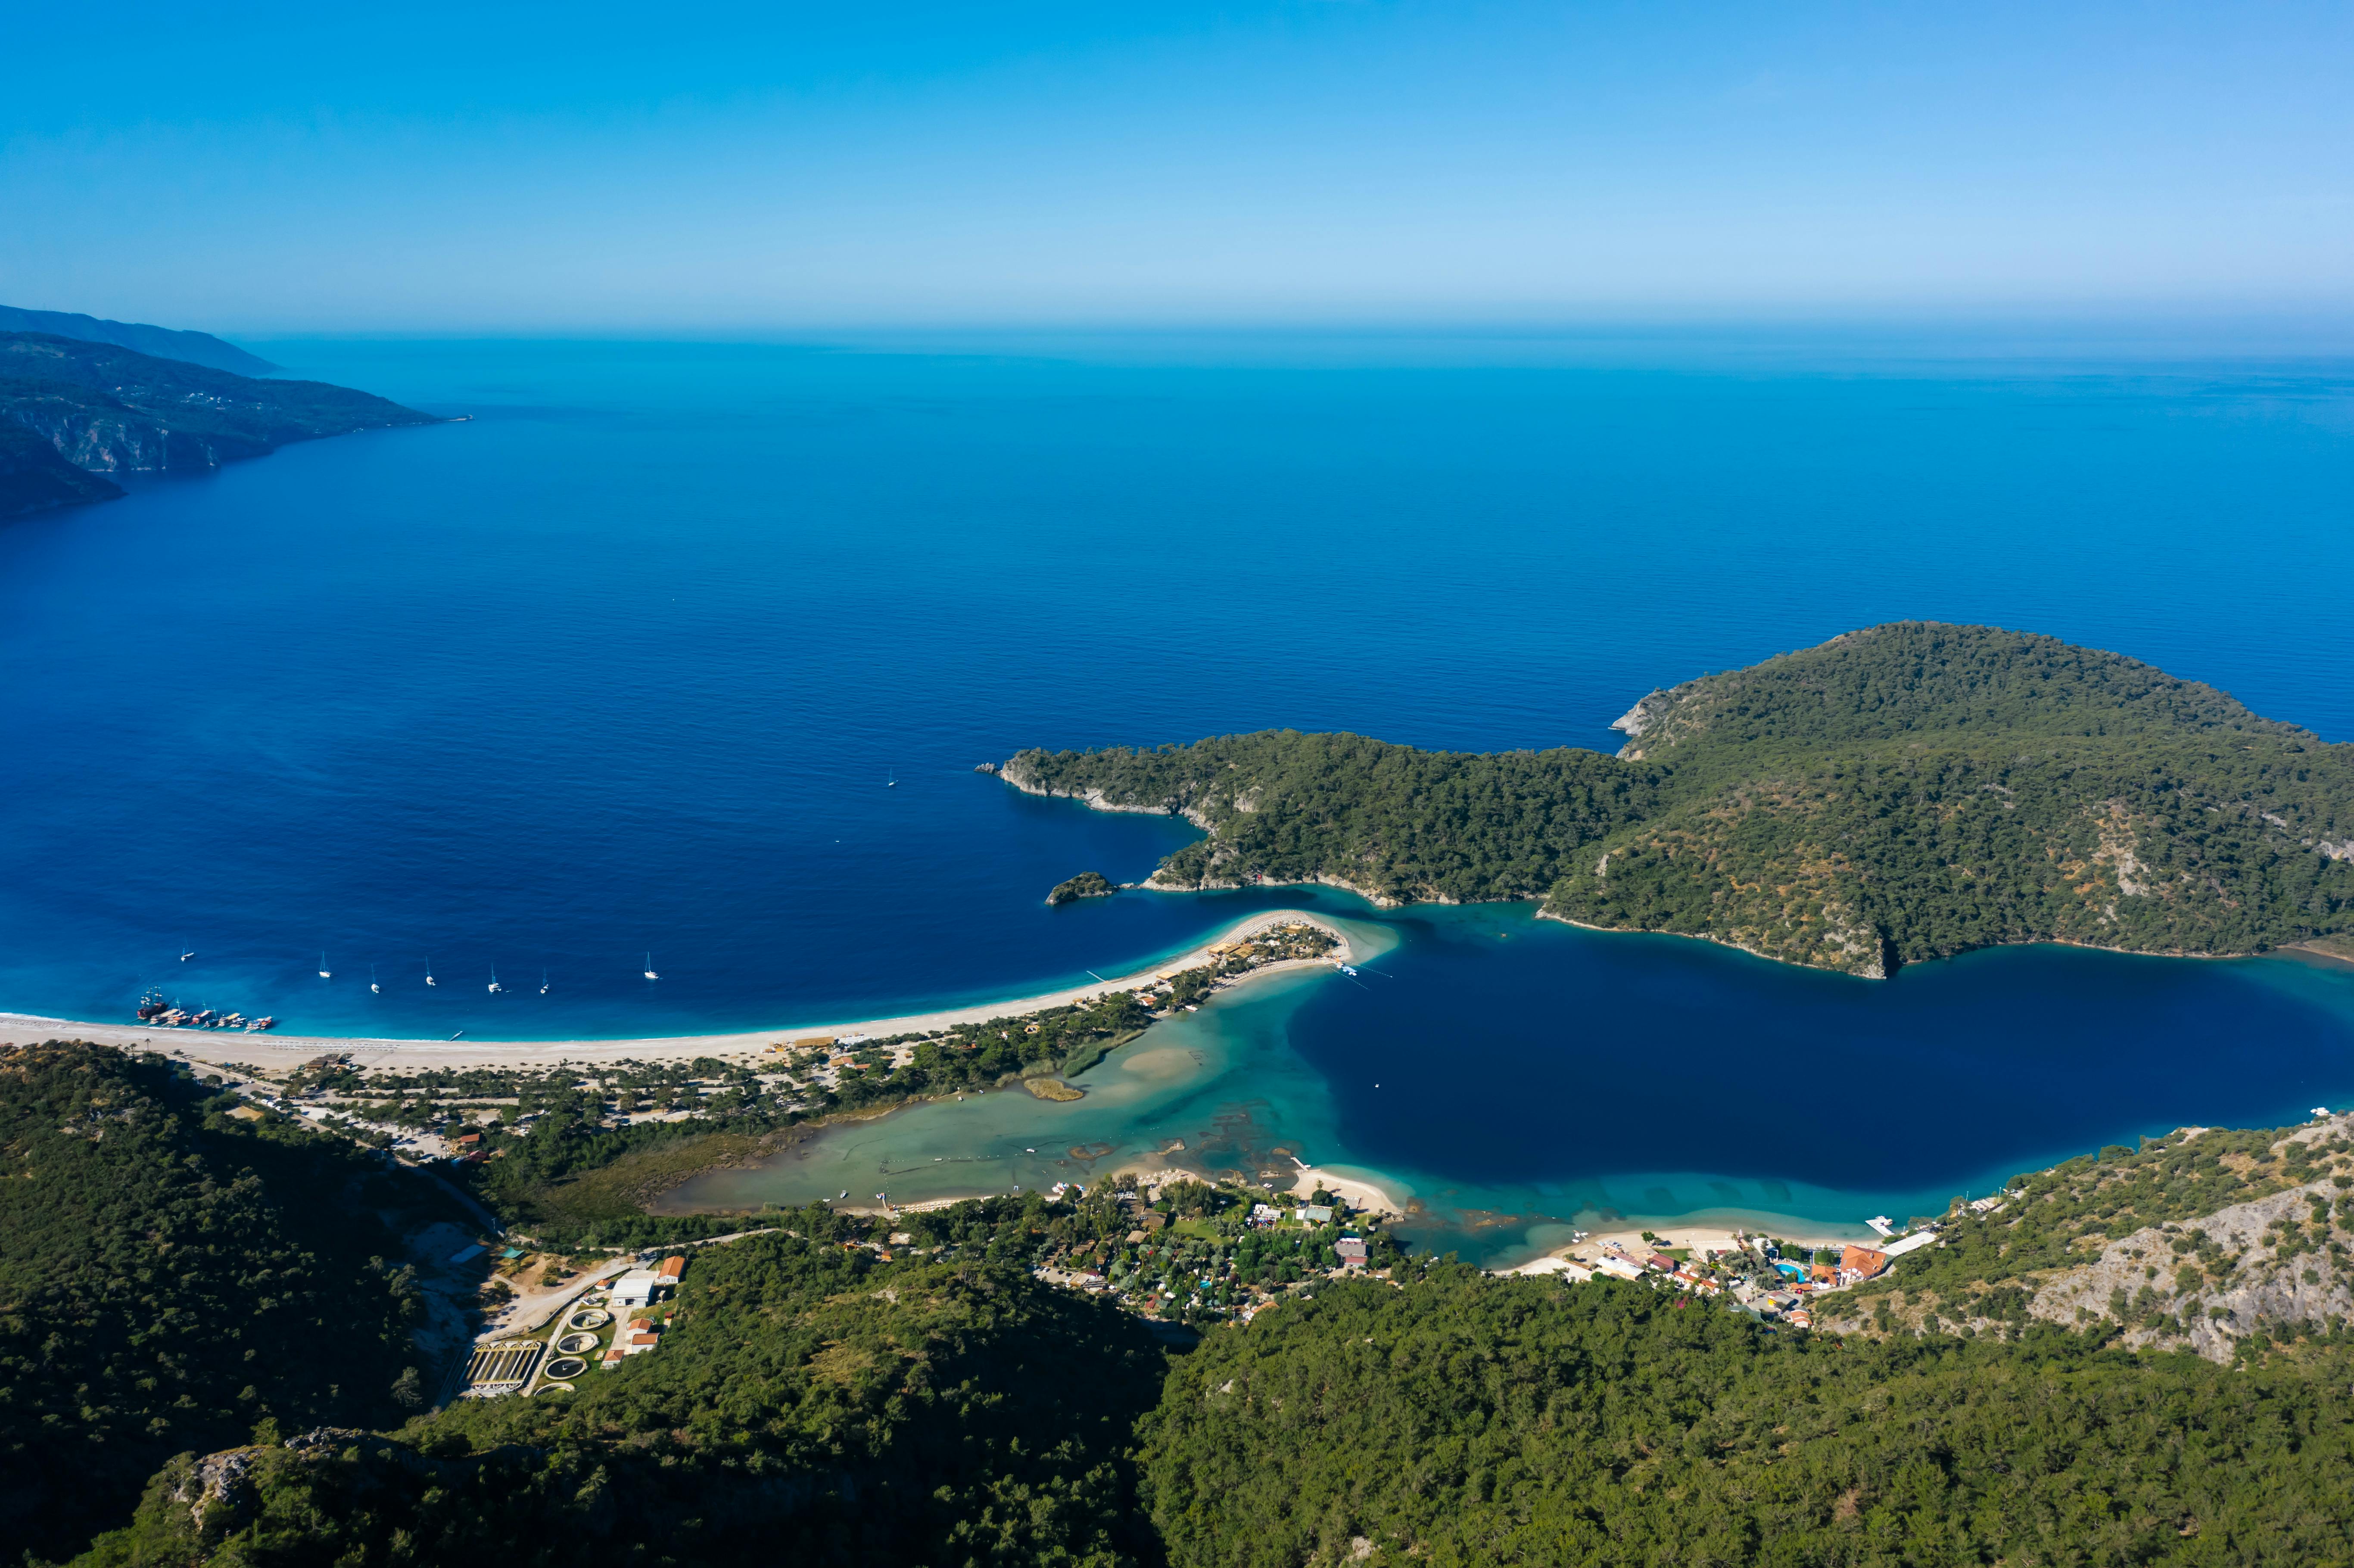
column 33, row 478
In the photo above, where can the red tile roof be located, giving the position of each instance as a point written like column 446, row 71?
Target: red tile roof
column 1863, row 1259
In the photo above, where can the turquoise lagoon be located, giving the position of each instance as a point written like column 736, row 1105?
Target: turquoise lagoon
column 1509, row 1077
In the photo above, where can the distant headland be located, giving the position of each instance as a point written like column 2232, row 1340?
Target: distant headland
column 75, row 409
column 1906, row 792
column 162, row 343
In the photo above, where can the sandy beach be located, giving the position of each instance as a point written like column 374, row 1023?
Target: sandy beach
column 272, row 1050
column 1697, row 1238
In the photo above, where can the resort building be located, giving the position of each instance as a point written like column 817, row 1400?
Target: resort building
column 1860, row 1263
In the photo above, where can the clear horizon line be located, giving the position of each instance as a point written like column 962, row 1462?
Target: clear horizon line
column 2106, row 323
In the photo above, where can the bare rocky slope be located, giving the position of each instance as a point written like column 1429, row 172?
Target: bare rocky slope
column 2207, row 1240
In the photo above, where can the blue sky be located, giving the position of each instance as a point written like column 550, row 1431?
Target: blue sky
column 261, row 169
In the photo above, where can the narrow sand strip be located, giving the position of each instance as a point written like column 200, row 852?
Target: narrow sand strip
column 277, row 1052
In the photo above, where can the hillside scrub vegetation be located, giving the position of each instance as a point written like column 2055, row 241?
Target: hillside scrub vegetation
column 862, row 1413
column 1469, row 1420
column 922, row 1411
column 172, row 1279
column 1902, row 793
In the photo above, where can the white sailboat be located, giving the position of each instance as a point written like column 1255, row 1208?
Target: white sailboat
column 893, row 781
column 542, row 982
column 496, row 987
column 322, row 967
column 650, row 968
column 372, row 985
column 428, row 971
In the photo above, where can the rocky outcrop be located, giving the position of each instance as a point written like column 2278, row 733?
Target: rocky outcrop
column 2274, row 1262
column 217, row 1483
column 1013, row 773
column 34, row 478
column 199, row 1501
column 1644, row 715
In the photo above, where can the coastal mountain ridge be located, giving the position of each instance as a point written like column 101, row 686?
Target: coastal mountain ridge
column 163, row 342
column 100, row 409
column 1903, row 792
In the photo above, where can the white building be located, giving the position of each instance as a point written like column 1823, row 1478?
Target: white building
column 644, row 1287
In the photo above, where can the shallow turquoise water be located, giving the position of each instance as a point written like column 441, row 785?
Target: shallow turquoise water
column 624, row 664
column 1512, row 1076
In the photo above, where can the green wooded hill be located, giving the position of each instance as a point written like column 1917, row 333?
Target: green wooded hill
column 813, row 1406
column 106, row 408
column 809, row 1405
column 1467, row 1420
column 173, row 1279
column 1905, row 792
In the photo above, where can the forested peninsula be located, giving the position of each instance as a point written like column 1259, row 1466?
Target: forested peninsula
column 1905, row 792
column 74, row 410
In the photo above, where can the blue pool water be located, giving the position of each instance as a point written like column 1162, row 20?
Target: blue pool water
column 622, row 665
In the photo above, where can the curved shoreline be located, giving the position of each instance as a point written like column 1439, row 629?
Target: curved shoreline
column 218, row 1048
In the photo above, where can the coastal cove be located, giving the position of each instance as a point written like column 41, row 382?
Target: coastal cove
column 1504, row 1079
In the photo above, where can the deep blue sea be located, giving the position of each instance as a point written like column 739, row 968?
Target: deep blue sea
column 625, row 665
